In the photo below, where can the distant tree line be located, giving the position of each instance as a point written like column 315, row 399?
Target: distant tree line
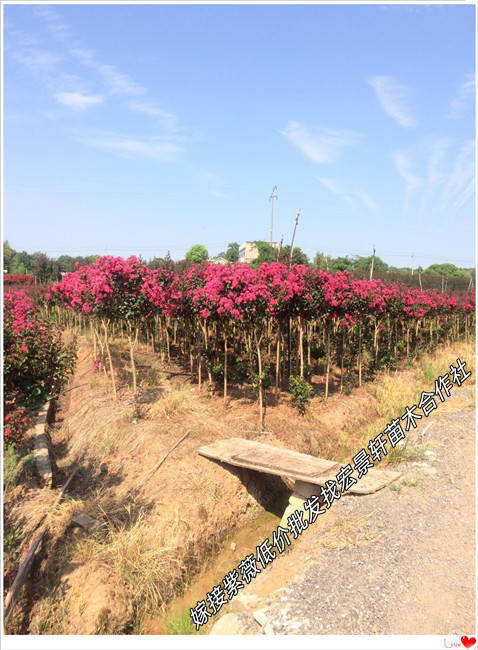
column 444, row 277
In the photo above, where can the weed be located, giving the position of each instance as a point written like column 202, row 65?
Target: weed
column 11, row 472
column 405, row 453
column 181, row 623
column 28, row 464
column 411, row 481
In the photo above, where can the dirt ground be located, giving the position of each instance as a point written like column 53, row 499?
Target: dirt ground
column 161, row 522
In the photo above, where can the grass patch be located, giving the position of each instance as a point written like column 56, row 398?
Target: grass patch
column 181, row 623
column 139, row 554
column 411, row 481
column 176, row 402
column 405, row 453
column 15, row 466
column 11, row 468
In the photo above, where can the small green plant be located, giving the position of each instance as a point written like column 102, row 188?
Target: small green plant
column 405, row 453
column 28, row 464
column 11, row 552
column 218, row 373
column 301, row 392
column 11, row 472
column 265, row 377
column 411, row 481
column 137, row 410
column 181, row 623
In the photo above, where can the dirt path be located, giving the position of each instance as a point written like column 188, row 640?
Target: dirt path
column 407, row 565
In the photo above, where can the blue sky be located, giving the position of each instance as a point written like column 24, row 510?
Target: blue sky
column 138, row 129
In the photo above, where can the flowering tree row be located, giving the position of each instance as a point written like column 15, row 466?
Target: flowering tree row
column 18, row 279
column 215, row 316
column 36, row 362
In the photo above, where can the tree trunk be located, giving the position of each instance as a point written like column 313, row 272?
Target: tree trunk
column 225, row 367
column 113, row 380
column 327, row 371
column 260, row 390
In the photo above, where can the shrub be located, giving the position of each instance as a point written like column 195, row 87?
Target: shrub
column 301, row 392
column 36, row 362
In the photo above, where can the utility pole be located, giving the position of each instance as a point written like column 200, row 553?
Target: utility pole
column 279, row 249
column 293, row 236
column 412, row 263
column 271, row 199
column 373, row 262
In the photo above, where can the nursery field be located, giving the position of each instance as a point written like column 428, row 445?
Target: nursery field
column 161, row 364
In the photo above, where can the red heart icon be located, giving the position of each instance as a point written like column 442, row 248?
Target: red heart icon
column 468, row 642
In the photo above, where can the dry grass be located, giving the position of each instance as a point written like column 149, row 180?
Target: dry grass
column 144, row 556
column 348, row 530
column 177, row 402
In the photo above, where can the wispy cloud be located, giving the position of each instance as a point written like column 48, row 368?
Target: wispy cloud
column 461, row 182
column 319, row 144
column 57, row 27
column 36, row 59
column 78, row 79
column 78, row 101
column 404, row 165
column 465, row 98
column 438, row 174
column 351, row 196
column 393, row 98
column 143, row 148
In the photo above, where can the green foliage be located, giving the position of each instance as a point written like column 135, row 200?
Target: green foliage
column 197, row 254
column 232, row 253
column 11, row 471
column 11, row 555
column 447, row 270
column 365, row 264
column 298, row 257
column 267, row 253
column 181, row 623
column 263, row 379
column 300, row 391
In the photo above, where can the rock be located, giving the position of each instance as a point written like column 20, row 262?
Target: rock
column 260, row 616
column 227, row 624
column 249, row 601
column 86, row 522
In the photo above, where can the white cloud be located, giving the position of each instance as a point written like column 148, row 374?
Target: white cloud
column 78, row 101
column 168, row 120
column 35, row 59
column 368, row 201
column 464, row 99
column 59, row 29
column 403, row 164
column 330, row 184
column 438, row 175
column 320, row 144
column 461, row 182
column 149, row 149
column 350, row 196
column 118, row 82
column 393, row 99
